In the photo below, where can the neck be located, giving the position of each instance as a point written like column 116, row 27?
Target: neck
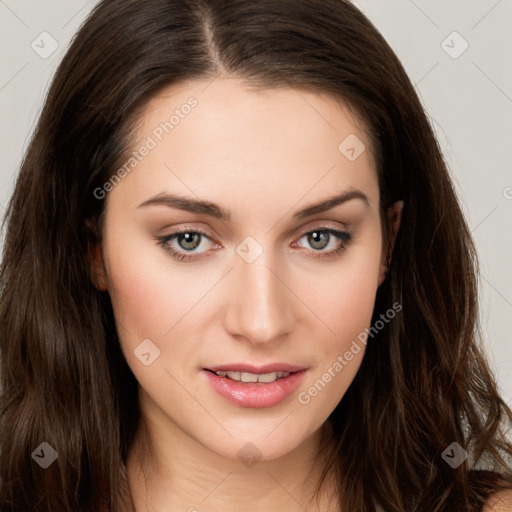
column 173, row 472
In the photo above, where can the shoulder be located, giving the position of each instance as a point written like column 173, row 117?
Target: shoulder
column 499, row 502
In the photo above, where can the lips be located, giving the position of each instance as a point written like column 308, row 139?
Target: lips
column 269, row 391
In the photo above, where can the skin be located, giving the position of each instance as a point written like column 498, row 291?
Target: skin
column 500, row 502
column 262, row 156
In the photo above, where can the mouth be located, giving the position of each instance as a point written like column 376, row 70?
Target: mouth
column 250, row 386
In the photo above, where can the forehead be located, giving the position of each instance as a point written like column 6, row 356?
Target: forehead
column 212, row 138
column 228, row 107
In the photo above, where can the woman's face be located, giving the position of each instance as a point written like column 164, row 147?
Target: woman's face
column 267, row 272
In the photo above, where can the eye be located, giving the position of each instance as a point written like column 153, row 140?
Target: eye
column 322, row 237
column 182, row 245
column 186, row 240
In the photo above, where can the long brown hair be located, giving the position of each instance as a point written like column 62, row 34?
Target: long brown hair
column 423, row 383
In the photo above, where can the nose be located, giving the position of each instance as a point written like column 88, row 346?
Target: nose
column 260, row 305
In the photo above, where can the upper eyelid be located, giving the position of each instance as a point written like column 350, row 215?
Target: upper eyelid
column 301, row 232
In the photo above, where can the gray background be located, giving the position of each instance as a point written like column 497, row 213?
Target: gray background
column 468, row 96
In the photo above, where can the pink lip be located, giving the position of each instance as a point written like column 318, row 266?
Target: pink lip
column 249, row 368
column 255, row 395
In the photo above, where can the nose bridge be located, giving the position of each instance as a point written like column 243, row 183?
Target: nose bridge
column 259, row 306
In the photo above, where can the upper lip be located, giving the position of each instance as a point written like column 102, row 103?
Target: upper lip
column 249, row 368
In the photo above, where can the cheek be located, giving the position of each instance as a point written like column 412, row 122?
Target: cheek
column 147, row 301
column 345, row 295
column 156, row 299
column 345, row 304
column 136, row 292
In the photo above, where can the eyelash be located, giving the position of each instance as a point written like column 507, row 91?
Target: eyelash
column 344, row 236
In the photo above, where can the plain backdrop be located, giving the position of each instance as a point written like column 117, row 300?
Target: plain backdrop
column 457, row 53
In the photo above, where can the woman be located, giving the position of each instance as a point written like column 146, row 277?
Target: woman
column 236, row 276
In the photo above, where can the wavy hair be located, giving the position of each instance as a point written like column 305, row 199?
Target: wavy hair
column 424, row 382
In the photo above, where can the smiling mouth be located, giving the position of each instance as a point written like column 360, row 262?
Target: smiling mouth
column 246, row 377
column 264, row 386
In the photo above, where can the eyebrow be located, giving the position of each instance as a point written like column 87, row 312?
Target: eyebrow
column 214, row 210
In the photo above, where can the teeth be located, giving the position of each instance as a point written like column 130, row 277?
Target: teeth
column 253, row 377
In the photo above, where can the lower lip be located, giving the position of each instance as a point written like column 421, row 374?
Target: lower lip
column 252, row 394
